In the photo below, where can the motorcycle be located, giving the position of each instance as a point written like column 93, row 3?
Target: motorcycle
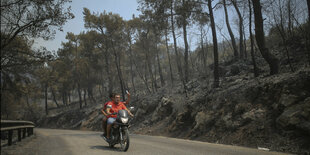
column 119, row 130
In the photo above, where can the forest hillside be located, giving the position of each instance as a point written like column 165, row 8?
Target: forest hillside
column 223, row 71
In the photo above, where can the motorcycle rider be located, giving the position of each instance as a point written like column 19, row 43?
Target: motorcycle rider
column 103, row 110
column 114, row 107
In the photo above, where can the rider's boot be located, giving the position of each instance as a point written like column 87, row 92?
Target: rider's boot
column 103, row 135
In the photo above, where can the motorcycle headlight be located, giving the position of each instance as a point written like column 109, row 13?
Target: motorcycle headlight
column 124, row 120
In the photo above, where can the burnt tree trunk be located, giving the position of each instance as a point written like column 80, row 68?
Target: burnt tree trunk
column 252, row 41
column 308, row 4
column 231, row 34
column 141, row 76
column 162, row 81
column 241, row 49
column 307, row 35
column 176, row 48
column 119, row 71
column 101, row 86
column 131, row 65
column 282, row 32
column 244, row 43
column 45, row 95
column 107, row 66
column 186, row 49
column 54, row 97
column 148, row 64
column 155, row 73
column 284, row 41
column 90, row 94
column 144, row 79
column 169, row 60
column 85, row 102
column 215, row 47
column 64, row 98
column 272, row 61
column 80, row 95
column 289, row 12
column 204, row 60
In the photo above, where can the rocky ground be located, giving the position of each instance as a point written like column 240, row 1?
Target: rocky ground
column 271, row 112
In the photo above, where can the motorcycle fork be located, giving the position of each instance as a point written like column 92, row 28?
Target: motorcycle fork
column 120, row 133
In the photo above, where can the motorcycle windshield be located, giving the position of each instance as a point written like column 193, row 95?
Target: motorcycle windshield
column 123, row 113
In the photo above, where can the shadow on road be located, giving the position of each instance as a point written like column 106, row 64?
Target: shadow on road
column 100, row 147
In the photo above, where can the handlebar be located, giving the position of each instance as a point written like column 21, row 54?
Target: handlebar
column 114, row 113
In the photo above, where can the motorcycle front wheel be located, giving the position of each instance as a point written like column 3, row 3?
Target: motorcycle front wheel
column 111, row 146
column 125, row 140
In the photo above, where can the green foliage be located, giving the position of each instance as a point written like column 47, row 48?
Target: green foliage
column 18, row 65
column 21, row 66
column 32, row 18
column 187, row 11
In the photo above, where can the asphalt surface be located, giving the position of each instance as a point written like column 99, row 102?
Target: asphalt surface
column 58, row 142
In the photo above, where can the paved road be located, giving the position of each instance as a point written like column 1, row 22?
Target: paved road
column 58, row 142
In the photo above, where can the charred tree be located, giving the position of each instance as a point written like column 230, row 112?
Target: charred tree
column 117, row 62
column 131, row 64
column 80, row 95
column 256, row 74
column 45, row 95
column 232, row 37
column 54, row 97
column 85, row 102
column 168, row 54
column 241, row 49
column 203, row 52
column 176, row 48
column 162, row 81
column 272, row 61
column 215, row 46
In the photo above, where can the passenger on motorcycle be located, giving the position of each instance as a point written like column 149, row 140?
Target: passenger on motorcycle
column 104, row 120
column 114, row 107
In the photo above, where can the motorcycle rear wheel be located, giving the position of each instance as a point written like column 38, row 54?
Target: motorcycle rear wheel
column 125, row 142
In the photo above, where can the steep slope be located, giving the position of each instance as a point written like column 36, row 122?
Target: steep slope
column 271, row 111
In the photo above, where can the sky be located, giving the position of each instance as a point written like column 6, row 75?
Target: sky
column 125, row 8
